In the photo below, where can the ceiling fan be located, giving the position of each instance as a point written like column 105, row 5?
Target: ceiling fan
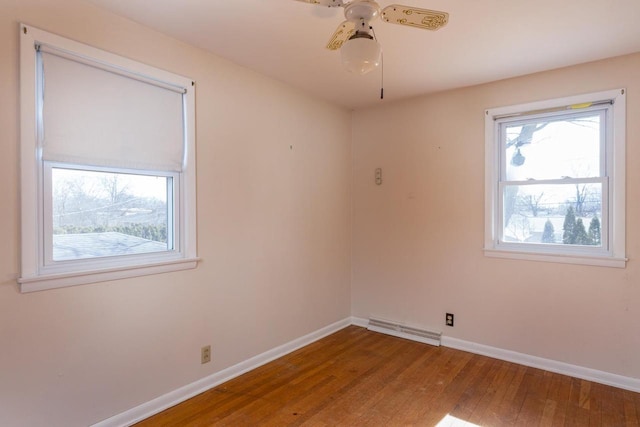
column 355, row 37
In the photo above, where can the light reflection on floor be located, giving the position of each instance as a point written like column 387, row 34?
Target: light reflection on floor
column 451, row 421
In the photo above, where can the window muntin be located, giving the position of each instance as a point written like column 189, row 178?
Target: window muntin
column 555, row 180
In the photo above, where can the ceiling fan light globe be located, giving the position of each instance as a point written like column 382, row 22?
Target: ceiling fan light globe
column 360, row 55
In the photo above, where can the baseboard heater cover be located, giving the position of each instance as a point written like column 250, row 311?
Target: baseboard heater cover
column 403, row 331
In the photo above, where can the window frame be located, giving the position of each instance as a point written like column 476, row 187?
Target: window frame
column 612, row 176
column 38, row 273
column 51, row 266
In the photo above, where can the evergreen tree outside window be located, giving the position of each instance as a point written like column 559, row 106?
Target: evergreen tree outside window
column 548, row 235
column 594, row 231
column 568, row 235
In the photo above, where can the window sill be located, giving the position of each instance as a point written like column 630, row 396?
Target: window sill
column 53, row 281
column 558, row 258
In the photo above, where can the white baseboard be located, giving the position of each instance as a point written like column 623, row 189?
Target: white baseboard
column 626, row 383
column 550, row 365
column 358, row 321
column 172, row 398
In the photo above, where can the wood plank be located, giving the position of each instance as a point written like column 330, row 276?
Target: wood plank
column 558, row 395
column 535, row 400
column 434, row 374
column 612, row 405
column 631, row 408
column 492, row 411
column 357, row 377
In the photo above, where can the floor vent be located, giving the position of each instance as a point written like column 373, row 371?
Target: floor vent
column 403, row 331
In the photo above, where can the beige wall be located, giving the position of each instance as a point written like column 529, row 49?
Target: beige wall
column 418, row 238
column 274, row 236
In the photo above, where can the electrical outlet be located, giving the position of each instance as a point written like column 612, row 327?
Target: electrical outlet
column 449, row 319
column 205, row 354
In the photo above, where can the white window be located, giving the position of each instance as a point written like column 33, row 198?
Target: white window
column 107, row 165
column 555, row 180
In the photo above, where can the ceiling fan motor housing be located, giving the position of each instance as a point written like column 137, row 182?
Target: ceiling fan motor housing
column 363, row 10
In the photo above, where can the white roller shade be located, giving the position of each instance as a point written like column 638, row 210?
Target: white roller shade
column 101, row 116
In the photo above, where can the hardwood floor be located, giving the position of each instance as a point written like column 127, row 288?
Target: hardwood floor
column 360, row 378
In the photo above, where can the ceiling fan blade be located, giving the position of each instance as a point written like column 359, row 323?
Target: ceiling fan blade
column 329, row 3
column 341, row 35
column 415, row 17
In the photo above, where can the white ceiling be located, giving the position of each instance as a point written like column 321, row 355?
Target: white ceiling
column 485, row 40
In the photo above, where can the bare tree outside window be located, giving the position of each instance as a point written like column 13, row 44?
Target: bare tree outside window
column 96, row 206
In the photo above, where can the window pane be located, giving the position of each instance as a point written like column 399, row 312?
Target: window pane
column 568, row 214
column 553, row 148
column 101, row 214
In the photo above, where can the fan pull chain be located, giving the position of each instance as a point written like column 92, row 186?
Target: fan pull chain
column 381, row 75
column 381, row 64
